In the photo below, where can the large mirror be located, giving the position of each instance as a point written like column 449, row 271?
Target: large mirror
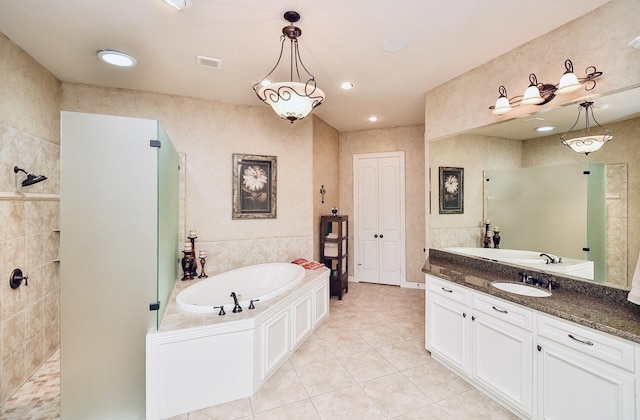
column 515, row 144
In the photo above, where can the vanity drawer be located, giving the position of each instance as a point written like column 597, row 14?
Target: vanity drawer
column 504, row 311
column 598, row 345
column 449, row 290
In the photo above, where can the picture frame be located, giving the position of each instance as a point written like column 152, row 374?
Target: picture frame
column 451, row 188
column 254, row 186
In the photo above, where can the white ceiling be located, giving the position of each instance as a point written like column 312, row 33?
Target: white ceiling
column 341, row 40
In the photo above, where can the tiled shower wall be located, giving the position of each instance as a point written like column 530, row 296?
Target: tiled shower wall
column 617, row 220
column 29, row 239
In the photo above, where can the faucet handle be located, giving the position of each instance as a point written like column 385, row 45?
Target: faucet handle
column 222, row 312
column 251, row 305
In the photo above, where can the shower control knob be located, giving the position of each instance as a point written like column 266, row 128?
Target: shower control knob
column 16, row 277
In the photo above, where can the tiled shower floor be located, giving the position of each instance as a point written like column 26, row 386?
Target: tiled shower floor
column 39, row 397
column 366, row 361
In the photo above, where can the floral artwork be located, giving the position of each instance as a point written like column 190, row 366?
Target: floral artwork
column 254, row 187
column 451, row 190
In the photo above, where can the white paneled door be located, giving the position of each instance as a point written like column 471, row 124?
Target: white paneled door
column 379, row 217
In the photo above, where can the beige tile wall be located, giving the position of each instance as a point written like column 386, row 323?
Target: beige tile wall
column 29, row 138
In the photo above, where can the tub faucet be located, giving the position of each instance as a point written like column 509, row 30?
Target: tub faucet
column 237, row 308
column 551, row 259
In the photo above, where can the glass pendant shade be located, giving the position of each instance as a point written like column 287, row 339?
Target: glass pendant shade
column 532, row 96
column 568, row 83
column 291, row 100
column 502, row 106
column 588, row 144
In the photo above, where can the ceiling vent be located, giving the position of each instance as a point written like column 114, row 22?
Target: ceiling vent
column 203, row 61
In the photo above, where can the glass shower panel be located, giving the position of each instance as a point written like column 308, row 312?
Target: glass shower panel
column 108, row 270
column 168, row 243
column 596, row 219
column 540, row 209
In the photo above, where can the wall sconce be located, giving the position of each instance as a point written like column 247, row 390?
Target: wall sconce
column 541, row 93
column 587, row 143
column 322, row 193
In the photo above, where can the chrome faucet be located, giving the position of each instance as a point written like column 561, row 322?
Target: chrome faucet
column 237, row 308
column 551, row 259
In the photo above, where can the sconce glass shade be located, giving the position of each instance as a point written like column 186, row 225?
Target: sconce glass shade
column 178, row 4
column 568, row 83
column 532, row 96
column 291, row 100
column 502, row 106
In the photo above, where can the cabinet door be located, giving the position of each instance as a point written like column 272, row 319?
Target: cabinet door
column 502, row 360
column 574, row 386
column 448, row 331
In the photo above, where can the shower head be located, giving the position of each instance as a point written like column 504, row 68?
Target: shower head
column 31, row 178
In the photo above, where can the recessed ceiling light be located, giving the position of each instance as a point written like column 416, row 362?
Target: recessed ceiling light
column 178, row 4
column 544, row 128
column 117, row 58
column 373, row 118
column 346, row 85
column 394, row 44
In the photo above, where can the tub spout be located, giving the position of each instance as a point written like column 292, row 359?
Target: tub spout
column 237, row 308
column 551, row 259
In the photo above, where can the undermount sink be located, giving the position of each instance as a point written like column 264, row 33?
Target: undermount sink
column 521, row 289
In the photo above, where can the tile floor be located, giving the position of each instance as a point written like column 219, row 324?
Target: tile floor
column 39, row 397
column 366, row 361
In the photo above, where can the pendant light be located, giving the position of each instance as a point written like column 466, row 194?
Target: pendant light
column 294, row 99
column 589, row 142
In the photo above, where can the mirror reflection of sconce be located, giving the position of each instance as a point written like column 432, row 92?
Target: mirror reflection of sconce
column 16, row 277
column 31, row 178
column 322, row 193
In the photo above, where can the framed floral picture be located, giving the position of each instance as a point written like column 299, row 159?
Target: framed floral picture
column 451, row 182
column 254, row 187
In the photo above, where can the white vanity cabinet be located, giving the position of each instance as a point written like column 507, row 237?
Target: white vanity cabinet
column 447, row 323
column 583, row 374
column 537, row 365
column 502, row 350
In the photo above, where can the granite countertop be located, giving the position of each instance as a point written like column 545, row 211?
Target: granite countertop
column 596, row 306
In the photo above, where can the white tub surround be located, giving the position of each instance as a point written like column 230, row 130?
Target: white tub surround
column 216, row 359
column 529, row 259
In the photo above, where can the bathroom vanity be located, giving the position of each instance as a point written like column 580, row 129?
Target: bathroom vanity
column 572, row 355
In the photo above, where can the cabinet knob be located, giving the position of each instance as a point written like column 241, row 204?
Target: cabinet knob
column 381, row 236
column 375, row 235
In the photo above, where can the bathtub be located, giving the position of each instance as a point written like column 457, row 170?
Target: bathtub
column 529, row 259
column 261, row 281
column 204, row 359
